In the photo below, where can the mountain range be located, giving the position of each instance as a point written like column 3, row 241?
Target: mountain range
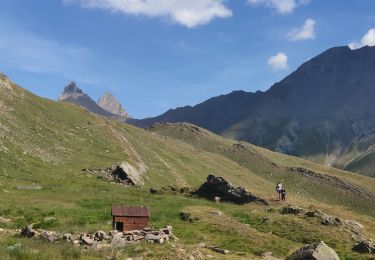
column 324, row 111
column 107, row 105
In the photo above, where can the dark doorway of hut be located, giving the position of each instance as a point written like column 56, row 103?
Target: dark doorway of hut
column 119, row 226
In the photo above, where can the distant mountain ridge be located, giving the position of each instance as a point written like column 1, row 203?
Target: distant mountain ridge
column 73, row 94
column 324, row 111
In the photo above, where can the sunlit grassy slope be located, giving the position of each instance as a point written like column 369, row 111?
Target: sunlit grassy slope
column 46, row 143
column 275, row 167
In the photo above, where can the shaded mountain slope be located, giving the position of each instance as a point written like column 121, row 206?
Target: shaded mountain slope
column 214, row 114
column 324, row 111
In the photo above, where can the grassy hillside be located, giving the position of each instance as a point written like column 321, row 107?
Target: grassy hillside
column 45, row 144
column 275, row 167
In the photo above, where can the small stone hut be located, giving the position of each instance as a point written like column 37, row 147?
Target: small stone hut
column 126, row 218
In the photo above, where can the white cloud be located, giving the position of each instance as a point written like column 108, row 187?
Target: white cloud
column 306, row 32
column 278, row 62
column 281, row 6
column 189, row 13
column 367, row 40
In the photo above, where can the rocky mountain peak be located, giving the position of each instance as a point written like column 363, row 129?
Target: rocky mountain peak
column 5, row 83
column 109, row 103
column 73, row 94
column 72, row 88
column 71, row 91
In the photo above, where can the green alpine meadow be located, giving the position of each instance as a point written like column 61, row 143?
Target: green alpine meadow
column 47, row 147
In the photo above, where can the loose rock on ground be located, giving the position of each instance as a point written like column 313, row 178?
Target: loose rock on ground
column 317, row 251
column 101, row 239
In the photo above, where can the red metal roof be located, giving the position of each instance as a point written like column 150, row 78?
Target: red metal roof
column 130, row 211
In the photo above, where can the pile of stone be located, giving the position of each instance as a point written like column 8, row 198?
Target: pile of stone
column 326, row 219
column 101, row 239
column 291, row 210
column 29, row 231
column 218, row 187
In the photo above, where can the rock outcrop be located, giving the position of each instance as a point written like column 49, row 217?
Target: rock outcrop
column 5, row 83
column 219, row 187
column 109, row 103
column 71, row 91
column 122, row 173
column 216, row 189
column 72, row 88
column 317, row 251
column 291, row 210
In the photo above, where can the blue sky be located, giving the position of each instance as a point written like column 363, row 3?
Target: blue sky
column 159, row 54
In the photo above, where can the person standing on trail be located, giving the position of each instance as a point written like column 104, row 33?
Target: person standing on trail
column 278, row 190
column 283, row 193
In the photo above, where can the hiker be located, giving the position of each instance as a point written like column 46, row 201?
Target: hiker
column 283, row 193
column 278, row 189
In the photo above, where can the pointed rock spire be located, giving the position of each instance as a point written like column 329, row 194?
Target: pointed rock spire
column 109, row 103
column 72, row 88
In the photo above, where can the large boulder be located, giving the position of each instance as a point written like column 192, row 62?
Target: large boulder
column 219, row 187
column 118, row 241
column 87, row 240
column 28, row 231
column 317, row 251
column 365, row 246
column 330, row 220
column 100, row 235
column 292, row 210
column 49, row 235
column 123, row 173
column 127, row 174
